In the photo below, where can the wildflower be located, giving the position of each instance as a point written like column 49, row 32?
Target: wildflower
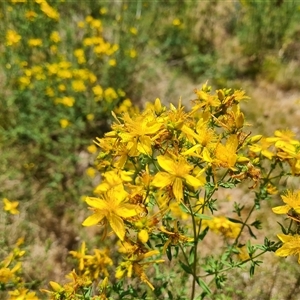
column 12, row 38
column 78, row 86
column 49, row 11
column 133, row 30
column 11, row 206
column 111, row 207
column 5, row 275
column 91, row 172
column 35, row 42
column 92, row 148
column 22, row 294
column 176, row 22
column 263, row 148
column 291, row 245
column 132, row 53
column 292, row 200
column 55, row 37
column 112, row 62
column 226, row 155
column 80, row 255
column 174, row 237
column 222, row 225
column 64, row 123
column 66, row 101
column 135, row 266
column 176, row 175
column 30, row 15
column 79, row 54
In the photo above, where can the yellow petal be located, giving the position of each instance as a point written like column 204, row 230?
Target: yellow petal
column 284, row 238
column 178, row 189
column 96, row 202
column 126, row 210
column 283, row 209
column 117, row 226
column 193, row 181
column 93, row 219
column 166, row 163
column 162, row 179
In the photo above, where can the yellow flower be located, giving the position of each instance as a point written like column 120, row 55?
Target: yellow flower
column 291, row 245
column 224, row 226
column 292, row 200
column 22, row 294
column 49, row 11
column 112, row 62
column 30, row 15
column 133, row 30
column 132, row 53
column 176, row 22
column 5, row 275
column 11, row 206
column 12, row 38
column 35, row 42
column 64, row 123
column 226, row 155
column 263, row 148
column 177, row 175
column 66, row 101
column 55, row 37
column 91, row 172
column 78, row 86
column 111, row 207
column 92, row 148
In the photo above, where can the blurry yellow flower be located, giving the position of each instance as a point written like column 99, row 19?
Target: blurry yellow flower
column 22, row 294
column 98, row 92
column 49, row 92
column 262, row 147
column 5, row 275
column 64, row 123
column 292, row 200
column 55, row 37
column 112, row 62
column 89, row 19
column 92, row 148
column 110, row 94
column 291, row 245
column 67, row 101
column 103, row 10
column 132, row 53
column 91, row 172
column 90, row 117
column 133, row 30
column 12, row 38
column 96, row 24
column 79, row 54
column 24, row 81
column 30, row 15
column 62, row 87
column 176, row 22
column 49, row 11
column 80, row 24
column 223, row 226
column 35, row 42
column 78, row 86
column 11, row 206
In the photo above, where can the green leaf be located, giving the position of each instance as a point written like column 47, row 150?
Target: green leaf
column 203, row 234
column 202, row 216
column 235, row 221
column 169, row 253
column 186, row 268
column 203, row 285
